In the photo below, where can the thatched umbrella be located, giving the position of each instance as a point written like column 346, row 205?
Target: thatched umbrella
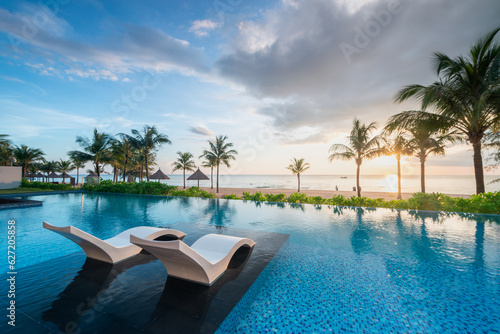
column 92, row 174
column 159, row 175
column 39, row 175
column 65, row 176
column 53, row 176
column 198, row 175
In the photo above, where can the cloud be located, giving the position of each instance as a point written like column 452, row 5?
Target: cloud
column 306, row 78
column 129, row 48
column 202, row 131
column 201, row 27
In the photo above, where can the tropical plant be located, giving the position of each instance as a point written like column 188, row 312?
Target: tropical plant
column 48, row 167
column 361, row 146
column 467, row 95
column 124, row 151
column 220, row 152
column 25, row 156
column 64, row 166
column 185, row 162
column 4, row 142
column 77, row 164
column 147, row 142
column 209, row 162
column 398, row 147
column 96, row 150
column 6, row 155
column 427, row 135
column 297, row 167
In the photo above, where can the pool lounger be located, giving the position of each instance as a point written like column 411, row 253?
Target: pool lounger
column 115, row 249
column 204, row 262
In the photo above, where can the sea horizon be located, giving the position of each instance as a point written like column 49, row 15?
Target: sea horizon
column 446, row 184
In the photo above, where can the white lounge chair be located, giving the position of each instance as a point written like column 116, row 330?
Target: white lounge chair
column 115, row 249
column 204, row 262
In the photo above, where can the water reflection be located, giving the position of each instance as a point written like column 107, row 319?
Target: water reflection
column 220, row 213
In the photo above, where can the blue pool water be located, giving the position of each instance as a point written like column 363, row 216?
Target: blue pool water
column 343, row 269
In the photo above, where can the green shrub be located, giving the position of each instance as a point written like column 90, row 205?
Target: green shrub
column 275, row 197
column 44, row 185
column 297, row 198
column 258, row 197
column 232, row 196
column 482, row 203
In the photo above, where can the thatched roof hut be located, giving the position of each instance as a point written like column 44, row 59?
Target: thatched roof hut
column 198, row 175
column 159, row 175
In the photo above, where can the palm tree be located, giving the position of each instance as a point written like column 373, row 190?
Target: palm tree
column 48, row 167
column 4, row 142
column 220, row 152
column 77, row 163
column 64, row 166
column 467, row 95
column 209, row 162
column 126, row 150
column 360, row 147
column 185, row 162
column 398, row 147
column 6, row 155
column 297, row 167
column 427, row 134
column 26, row 155
column 147, row 141
column 96, row 149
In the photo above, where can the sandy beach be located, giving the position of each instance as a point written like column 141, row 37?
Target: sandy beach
column 309, row 192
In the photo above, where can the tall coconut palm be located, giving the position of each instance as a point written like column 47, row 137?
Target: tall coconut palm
column 361, row 146
column 185, row 162
column 96, row 150
column 427, row 134
column 147, row 141
column 25, row 155
column 64, row 166
column 399, row 146
column 126, row 150
column 48, row 167
column 220, row 152
column 467, row 94
column 298, row 166
column 77, row 164
column 209, row 162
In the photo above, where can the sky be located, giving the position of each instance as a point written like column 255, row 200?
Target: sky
column 281, row 79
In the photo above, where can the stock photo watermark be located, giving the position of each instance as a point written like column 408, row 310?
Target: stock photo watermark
column 372, row 29
column 32, row 24
column 12, row 273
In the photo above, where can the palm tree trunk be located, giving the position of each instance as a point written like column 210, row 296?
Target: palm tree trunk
column 298, row 180
column 184, row 177
column 147, row 170
column 125, row 167
column 23, row 167
column 422, row 175
column 217, row 176
column 478, row 166
column 77, row 174
column 98, row 171
column 399, row 177
column 357, row 181
column 140, row 172
column 212, row 177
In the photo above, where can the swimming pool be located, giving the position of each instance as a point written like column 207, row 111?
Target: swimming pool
column 343, row 269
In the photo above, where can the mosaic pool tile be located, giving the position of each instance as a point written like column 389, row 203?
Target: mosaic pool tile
column 317, row 290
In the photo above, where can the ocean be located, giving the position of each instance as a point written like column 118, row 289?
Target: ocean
column 447, row 184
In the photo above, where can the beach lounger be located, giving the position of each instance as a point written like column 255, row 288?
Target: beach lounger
column 204, row 262
column 115, row 249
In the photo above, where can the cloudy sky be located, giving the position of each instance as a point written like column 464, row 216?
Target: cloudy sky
column 281, row 79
